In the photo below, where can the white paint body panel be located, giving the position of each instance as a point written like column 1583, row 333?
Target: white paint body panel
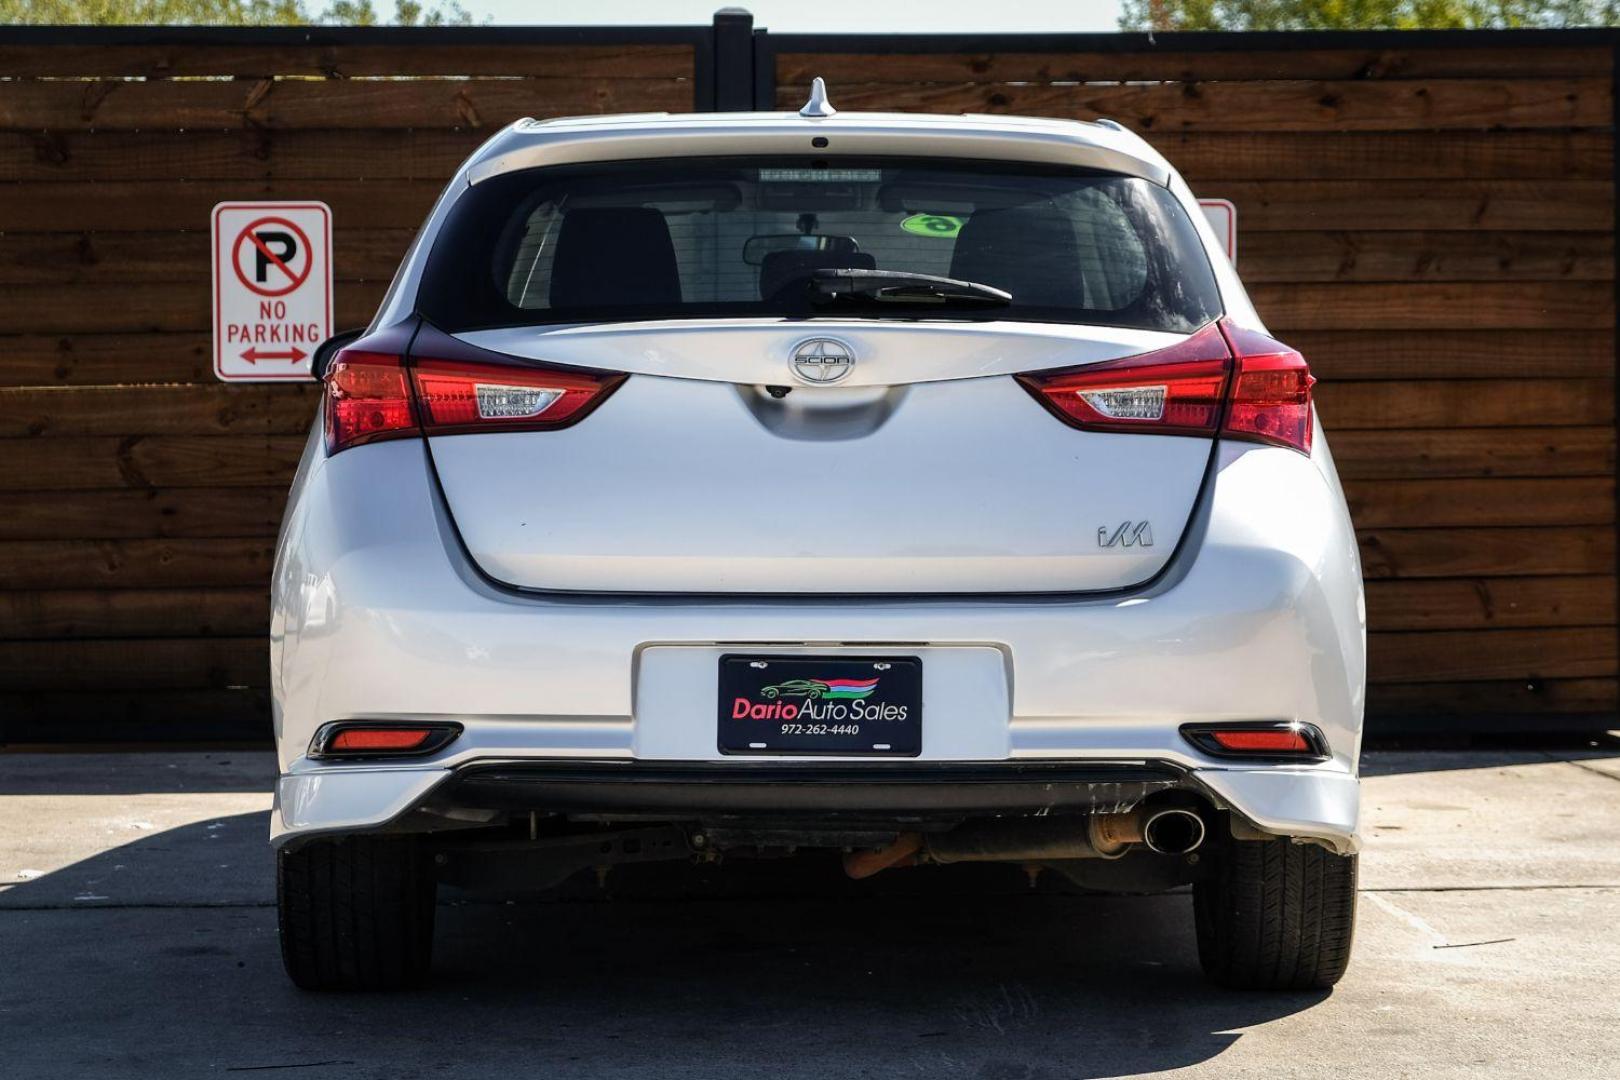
column 378, row 613
column 961, row 486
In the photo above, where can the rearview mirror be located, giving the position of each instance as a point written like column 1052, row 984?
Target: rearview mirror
column 757, row 247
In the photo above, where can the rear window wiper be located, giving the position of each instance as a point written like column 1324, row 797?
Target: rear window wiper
column 831, row 286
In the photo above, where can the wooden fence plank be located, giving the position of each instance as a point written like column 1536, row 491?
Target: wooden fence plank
column 172, row 59
column 74, row 359
column 134, row 564
column 149, row 461
column 264, row 154
column 1586, row 305
column 1405, row 205
column 1293, row 257
column 1407, row 504
column 1280, row 105
column 158, row 307
column 104, row 258
column 1481, row 603
column 1450, row 354
column 172, row 512
column 145, row 715
column 160, row 664
column 1492, row 552
column 434, row 154
column 1446, row 655
column 480, row 104
column 1523, row 696
column 795, row 70
column 134, row 613
column 1208, row 158
column 1461, row 452
column 1431, row 403
column 158, row 410
column 105, row 206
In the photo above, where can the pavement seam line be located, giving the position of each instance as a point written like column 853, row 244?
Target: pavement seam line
column 1584, row 767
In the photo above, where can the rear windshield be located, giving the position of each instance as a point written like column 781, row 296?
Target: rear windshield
column 732, row 237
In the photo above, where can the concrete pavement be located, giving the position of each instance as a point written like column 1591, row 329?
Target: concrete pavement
column 137, row 938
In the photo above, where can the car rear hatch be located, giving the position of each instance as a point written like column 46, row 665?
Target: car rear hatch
column 928, row 468
column 825, row 376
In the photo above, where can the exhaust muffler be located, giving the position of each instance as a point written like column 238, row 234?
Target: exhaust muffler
column 1167, row 831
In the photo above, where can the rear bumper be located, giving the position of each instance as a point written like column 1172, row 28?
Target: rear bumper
column 378, row 615
column 1311, row 803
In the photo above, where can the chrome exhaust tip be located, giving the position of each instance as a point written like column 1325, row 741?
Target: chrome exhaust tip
column 1173, row 832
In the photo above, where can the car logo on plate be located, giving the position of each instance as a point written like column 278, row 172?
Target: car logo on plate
column 821, row 361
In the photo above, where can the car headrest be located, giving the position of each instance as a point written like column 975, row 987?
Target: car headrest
column 608, row 256
column 1030, row 251
column 781, row 269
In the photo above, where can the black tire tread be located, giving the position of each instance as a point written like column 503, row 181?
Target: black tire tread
column 1276, row 915
column 356, row 913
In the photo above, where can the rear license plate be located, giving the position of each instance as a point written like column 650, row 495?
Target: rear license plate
column 821, row 705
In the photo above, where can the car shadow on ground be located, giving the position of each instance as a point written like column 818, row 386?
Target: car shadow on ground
column 774, row 967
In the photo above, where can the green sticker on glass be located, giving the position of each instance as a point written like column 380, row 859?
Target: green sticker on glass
column 932, row 225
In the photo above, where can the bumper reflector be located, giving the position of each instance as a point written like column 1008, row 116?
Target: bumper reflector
column 369, row 738
column 1266, row 739
column 1284, row 742
column 380, row 739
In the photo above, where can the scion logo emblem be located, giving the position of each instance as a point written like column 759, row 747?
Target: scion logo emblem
column 1129, row 534
column 821, row 361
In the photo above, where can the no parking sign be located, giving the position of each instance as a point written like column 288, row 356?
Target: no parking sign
column 272, row 288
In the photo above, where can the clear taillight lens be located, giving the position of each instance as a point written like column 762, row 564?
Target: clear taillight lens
column 463, row 397
column 1223, row 379
column 1175, row 391
column 373, row 396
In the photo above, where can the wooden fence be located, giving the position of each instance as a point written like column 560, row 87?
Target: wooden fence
column 1429, row 217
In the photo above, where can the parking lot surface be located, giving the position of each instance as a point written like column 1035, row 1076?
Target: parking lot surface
column 137, row 939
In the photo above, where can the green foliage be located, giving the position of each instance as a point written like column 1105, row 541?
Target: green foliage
column 227, row 13
column 1365, row 14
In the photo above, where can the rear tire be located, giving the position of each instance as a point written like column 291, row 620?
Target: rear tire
column 1275, row 915
column 356, row 913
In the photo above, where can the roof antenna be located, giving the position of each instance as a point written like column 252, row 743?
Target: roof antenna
column 818, row 107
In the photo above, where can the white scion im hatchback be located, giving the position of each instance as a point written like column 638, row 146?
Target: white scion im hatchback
column 893, row 489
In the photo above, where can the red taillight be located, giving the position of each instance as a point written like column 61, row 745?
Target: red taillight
column 1271, row 395
column 457, row 396
column 356, row 740
column 372, row 396
column 1225, row 378
column 368, row 398
column 1175, row 391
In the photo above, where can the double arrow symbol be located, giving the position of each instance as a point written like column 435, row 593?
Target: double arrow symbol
column 253, row 355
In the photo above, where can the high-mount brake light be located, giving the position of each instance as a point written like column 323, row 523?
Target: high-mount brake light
column 1225, row 379
column 373, row 396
